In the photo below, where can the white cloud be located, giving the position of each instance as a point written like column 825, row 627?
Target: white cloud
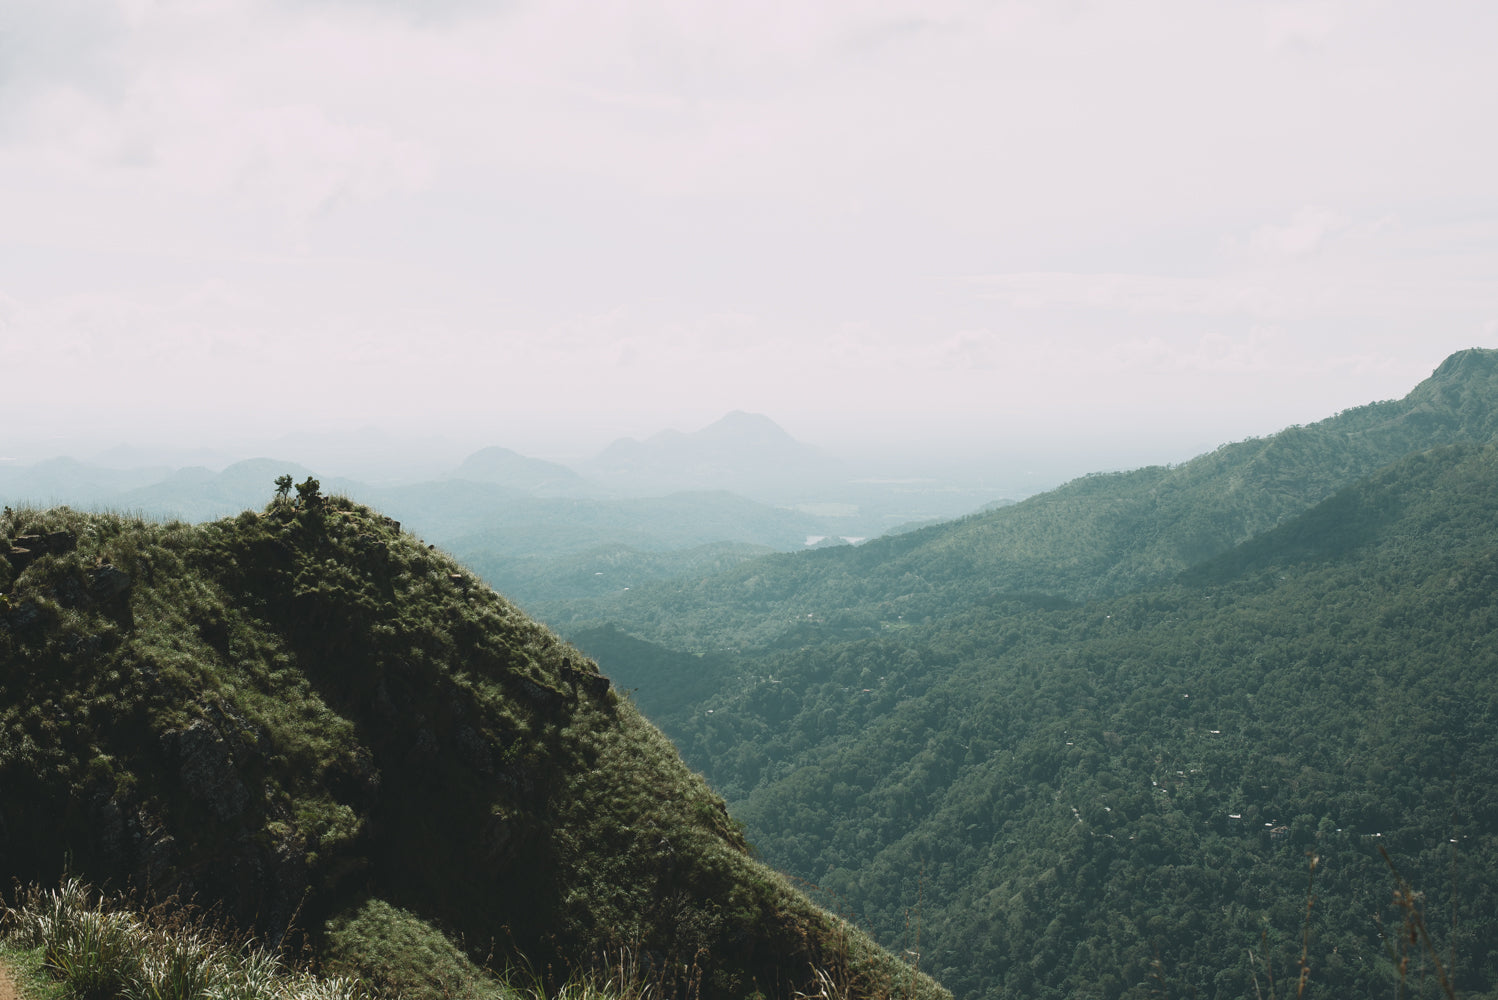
column 1304, row 24
column 1301, row 236
column 1133, row 293
column 628, row 196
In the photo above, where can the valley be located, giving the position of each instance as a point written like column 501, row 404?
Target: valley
column 1109, row 739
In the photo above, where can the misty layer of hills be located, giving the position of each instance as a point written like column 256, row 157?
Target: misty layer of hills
column 670, row 505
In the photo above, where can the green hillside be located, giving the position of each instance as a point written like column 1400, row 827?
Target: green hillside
column 1055, row 789
column 1097, row 536
column 1089, row 741
column 338, row 738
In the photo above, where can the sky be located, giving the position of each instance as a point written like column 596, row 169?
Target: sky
column 1157, row 225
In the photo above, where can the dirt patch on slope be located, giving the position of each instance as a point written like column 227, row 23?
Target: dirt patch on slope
column 8, row 988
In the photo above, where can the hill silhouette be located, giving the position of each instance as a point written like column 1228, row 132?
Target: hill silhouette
column 511, row 469
column 745, row 453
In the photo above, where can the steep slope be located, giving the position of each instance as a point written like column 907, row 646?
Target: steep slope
column 1097, row 536
column 301, row 714
column 1118, row 799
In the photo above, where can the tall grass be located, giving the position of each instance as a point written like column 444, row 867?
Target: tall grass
column 97, row 949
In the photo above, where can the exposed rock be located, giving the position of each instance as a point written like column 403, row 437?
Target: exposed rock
column 23, row 616
column 25, row 549
column 206, row 766
column 542, row 694
column 107, row 583
column 112, row 824
column 69, row 592
column 590, row 681
column 476, row 749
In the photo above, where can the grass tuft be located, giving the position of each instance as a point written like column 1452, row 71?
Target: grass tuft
column 95, row 948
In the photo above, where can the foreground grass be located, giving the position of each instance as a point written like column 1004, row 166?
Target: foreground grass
column 75, row 943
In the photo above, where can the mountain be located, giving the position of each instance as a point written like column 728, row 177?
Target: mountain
column 743, row 452
column 1094, row 537
column 515, row 471
column 525, row 522
column 1091, row 742
column 66, row 478
column 338, row 738
column 1094, row 789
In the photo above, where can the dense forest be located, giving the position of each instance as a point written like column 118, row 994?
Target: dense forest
column 1090, row 744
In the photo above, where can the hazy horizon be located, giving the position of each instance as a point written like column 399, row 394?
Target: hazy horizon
column 1026, row 460
column 983, row 228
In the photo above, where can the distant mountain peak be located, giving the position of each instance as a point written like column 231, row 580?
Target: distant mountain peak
column 743, row 420
column 1474, row 362
column 740, row 451
column 508, row 468
column 754, row 429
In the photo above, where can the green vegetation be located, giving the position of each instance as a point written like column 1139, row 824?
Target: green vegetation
column 1086, row 743
column 90, row 948
column 1096, row 537
column 73, row 943
column 601, row 571
column 343, row 742
column 1159, row 733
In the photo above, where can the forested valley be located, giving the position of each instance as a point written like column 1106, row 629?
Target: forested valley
column 1150, row 733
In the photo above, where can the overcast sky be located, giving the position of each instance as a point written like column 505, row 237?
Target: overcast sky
column 547, row 225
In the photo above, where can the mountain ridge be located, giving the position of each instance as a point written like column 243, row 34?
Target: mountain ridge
column 743, row 452
column 1096, row 536
column 509, row 468
column 1090, row 786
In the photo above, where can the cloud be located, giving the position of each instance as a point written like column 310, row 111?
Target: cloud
column 184, row 107
column 1300, row 25
column 1317, row 266
column 1302, row 236
column 463, row 204
column 1133, row 293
